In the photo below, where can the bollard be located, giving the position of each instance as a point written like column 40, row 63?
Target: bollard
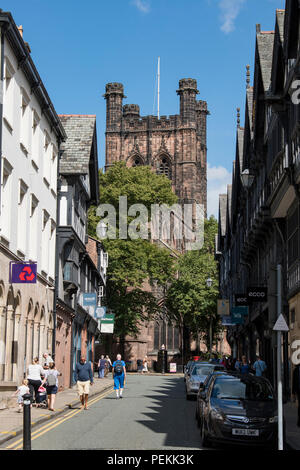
column 26, row 422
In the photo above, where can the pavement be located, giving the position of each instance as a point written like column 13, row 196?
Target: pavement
column 292, row 430
column 11, row 422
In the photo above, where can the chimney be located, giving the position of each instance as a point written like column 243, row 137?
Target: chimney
column 20, row 28
column 258, row 28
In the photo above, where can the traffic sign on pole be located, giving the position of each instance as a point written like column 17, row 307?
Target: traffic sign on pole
column 281, row 324
column 223, row 307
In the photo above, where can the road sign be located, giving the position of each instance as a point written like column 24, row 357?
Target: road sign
column 257, row 294
column 100, row 312
column 223, row 307
column 89, row 299
column 237, row 318
column 107, row 326
column 227, row 321
column 241, row 300
column 22, row 273
column 281, row 324
column 241, row 310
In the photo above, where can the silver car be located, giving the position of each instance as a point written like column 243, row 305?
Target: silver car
column 197, row 374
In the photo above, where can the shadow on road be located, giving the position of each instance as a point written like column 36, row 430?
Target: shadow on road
column 171, row 414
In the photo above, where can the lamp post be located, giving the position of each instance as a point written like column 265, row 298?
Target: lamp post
column 209, row 284
column 247, row 179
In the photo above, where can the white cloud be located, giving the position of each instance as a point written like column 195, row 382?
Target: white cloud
column 229, row 12
column 218, row 178
column 142, row 5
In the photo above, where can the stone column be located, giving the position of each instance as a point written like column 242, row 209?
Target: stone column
column 2, row 341
column 36, row 327
column 29, row 353
column 16, row 374
column 8, row 345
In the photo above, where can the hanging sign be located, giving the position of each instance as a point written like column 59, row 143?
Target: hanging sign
column 22, row 273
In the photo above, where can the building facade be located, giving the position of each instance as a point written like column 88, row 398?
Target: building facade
column 81, row 262
column 173, row 146
column 30, row 137
column 259, row 215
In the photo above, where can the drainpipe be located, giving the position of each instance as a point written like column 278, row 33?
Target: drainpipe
column 1, row 100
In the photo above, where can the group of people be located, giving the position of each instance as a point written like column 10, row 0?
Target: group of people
column 259, row 367
column 104, row 366
column 40, row 381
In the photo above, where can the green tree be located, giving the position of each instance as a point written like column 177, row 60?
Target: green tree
column 133, row 263
column 190, row 302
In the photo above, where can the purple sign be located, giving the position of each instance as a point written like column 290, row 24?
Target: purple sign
column 22, row 273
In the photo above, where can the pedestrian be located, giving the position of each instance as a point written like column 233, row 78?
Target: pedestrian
column 260, row 367
column 237, row 365
column 245, row 368
column 296, row 389
column 83, row 378
column 47, row 360
column 102, row 364
column 119, row 375
column 51, row 381
column 145, row 365
column 34, row 377
column 108, row 365
column 21, row 390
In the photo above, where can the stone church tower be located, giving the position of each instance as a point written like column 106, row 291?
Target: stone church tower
column 174, row 146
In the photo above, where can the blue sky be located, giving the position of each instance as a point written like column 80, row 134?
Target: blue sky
column 80, row 46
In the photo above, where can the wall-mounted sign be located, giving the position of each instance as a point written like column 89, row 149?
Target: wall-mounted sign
column 240, row 300
column 257, row 294
column 100, row 312
column 240, row 310
column 22, row 273
column 227, row 321
column 223, row 307
column 237, row 318
column 107, row 326
column 89, row 299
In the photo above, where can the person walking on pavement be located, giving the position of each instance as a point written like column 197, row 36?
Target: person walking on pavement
column 108, row 365
column 84, row 378
column 245, row 368
column 34, row 377
column 259, row 366
column 145, row 365
column 296, row 389
column 102, row 364
column 47, row 360
column 119, row 375
column 51, row 381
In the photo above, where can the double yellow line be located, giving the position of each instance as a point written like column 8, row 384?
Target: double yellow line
column 57, row 422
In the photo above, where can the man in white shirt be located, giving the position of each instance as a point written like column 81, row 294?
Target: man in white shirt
column 48, row 360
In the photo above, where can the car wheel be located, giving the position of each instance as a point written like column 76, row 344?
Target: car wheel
column 205, row 442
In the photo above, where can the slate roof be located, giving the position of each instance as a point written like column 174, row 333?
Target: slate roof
column 76, row 150
column 250, row 107
column 222, row 213
column 265, row 43
column 229, row 201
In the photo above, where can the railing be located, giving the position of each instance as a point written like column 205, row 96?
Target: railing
column 278, row 171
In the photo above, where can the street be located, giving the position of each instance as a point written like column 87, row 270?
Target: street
column 153, row 414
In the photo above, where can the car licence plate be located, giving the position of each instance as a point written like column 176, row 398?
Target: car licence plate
column 245, row 432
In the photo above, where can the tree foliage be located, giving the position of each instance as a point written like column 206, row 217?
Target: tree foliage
column 189, row 300
column 132, row 263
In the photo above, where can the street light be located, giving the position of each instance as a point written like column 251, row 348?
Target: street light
column 247, row 179
column 209, row 284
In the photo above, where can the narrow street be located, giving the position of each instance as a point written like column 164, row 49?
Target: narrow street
column 153, row 414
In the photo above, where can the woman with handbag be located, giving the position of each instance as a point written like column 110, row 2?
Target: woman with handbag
column 51, row 380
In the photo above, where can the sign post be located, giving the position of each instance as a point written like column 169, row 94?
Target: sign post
column 279, row 326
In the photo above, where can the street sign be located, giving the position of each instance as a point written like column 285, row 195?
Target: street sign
column 100, row 312
column 107, row 326
column 22, row 273
column 89, row 299
column 241, row 300
column 223, row 307
column 257, row 294
column 237, row 318
column 240, row 310
column 281, row 324
column 227, row 321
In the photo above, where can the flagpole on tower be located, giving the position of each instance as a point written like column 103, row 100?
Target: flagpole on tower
column 158, row 85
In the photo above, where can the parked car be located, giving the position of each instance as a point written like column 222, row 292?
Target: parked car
column 201, row 395
column 197, row 374
column 239, row 409
column 187, row 369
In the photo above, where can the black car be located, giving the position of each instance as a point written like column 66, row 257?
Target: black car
column 239, row 409
column 202, row 395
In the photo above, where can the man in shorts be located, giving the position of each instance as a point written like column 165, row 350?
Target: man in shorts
column 119, row 375
column 84, row 378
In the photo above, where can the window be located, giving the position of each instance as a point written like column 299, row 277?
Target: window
column 25, row 119
column 9, row 89
column 137, row 161
column 53, row 169
column 52, row 249
column 6, row 199
column 47, row 159
column 22, row 217
column 45, row 241
column 36, row 136
column 165, row 334
column 164, row 167
column 33, row 230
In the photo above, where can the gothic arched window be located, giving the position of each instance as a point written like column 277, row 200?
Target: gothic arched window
column 137, row 161
column 164, row 167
